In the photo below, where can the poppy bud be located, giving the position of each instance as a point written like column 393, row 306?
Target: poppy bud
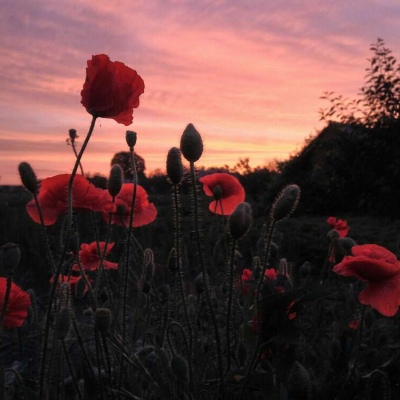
column 172, row 261
column 305, row 269
column 333, row 234
column 72, row 134
column 346, row 243
column 217, row 192
column 131, row 138
column 63, row 323
column 28, row 177
column 165, row 291
column 286, row 202
column 179, row 368
column 191, row 144
column 240, row 221
column 199, row 284
column 115, row 181
column 102, row 319
column 11, row 257
column 174, row 166
column 299, row 383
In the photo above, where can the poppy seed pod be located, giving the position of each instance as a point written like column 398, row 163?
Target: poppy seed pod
column 11, row 257
column 102, row 319
column 191, row 144
column 240, row 221
column 174, row 166
column 115, row 181
column 286, row 202
column 72, row 134
column 333, row 234
column 131, row 138
column 63, row 323
column 28, row 177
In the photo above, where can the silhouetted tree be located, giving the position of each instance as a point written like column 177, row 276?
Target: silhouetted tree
column 123, row 158
column 378, row 104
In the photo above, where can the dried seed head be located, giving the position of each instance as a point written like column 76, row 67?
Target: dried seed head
column 131, row 138
column 11, row 257
column 240, row 221
column 346, row 244
column 217, row 192
column 28, row 177
column 179, row 368
column 333, row 234
column 174, row 166
column 63, row 323
column 115, row 181
column 72, row 134
column 191, row 144
column 102, row 319
column 286, row 202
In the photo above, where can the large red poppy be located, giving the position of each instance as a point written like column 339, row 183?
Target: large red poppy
column 17, row 306
column 111, row 89
column 144, row 213
column 339, row 225
column 90, row 257
column 53, row 198
column 226, row 190
column 381, row 269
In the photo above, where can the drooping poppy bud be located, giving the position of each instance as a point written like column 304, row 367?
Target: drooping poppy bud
column 191, row 144
column 28, row 177
column 11, row 257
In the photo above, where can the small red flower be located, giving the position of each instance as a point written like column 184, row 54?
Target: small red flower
column 111, row 89
column 90, row 257
column 53, row 198
column 381, row 269
column 226, row 190
column 144, row 213
column 246, row 275
column 72, row 280
column 17, row 307
column 339, row 225
column 353, row 325
column 270, row 273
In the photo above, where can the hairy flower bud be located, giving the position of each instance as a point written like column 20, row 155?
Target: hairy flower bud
column 11, row 257
column 286, row 202
column 115, row 181
column 131, row 138
column 179, row 368
column 28, row 177
column 191, row 144
column 63, row 323
column 240, row 221
column 174, row 166
column 102, row 319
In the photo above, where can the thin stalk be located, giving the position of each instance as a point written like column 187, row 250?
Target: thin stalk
column 228, row 317
column 60, row 263
column 71, row 370
column 205, row 279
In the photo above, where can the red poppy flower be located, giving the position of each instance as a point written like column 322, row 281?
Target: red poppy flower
column 72, row 280
column 17, row 306
column 144, row 213
column 247, row 275
column 111, row 89
column 353, row 325
column 53, row 198
column 339, row 225
column 226, row 190
column 90, row 257
column 381, row 269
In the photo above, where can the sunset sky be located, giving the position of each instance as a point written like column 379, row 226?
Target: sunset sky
column 248, row 74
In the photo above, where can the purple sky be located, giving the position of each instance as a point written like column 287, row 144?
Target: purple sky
column 248, row 74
